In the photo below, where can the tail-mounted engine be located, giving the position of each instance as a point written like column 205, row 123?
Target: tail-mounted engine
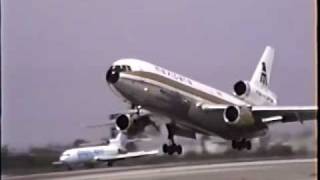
column 253, row 94
column 241, row 88
column 238, row 116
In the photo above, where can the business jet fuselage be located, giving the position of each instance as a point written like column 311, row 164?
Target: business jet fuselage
column 92, row 155
column 197, row 108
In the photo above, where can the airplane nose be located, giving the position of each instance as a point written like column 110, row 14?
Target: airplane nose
column 62, row 158
column 112, row 76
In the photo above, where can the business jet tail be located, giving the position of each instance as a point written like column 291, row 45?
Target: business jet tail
column 121, row 140
column 261, row 75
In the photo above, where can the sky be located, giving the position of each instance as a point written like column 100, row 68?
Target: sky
column 55, row 54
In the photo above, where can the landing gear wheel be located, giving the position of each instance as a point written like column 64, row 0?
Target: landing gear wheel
column 179, row 149
column 248, row 145
column 239, row 146
column 234, row 144
column 171, row 150
column 165, row 148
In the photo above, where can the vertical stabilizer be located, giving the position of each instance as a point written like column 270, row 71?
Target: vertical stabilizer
column 120, row 140
column 261, row 75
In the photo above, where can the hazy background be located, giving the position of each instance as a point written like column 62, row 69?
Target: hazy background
column 55, row 54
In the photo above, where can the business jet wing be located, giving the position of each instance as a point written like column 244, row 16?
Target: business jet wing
column 271, row 114
column 126, row 155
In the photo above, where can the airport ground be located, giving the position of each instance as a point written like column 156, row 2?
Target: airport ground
column 204, row 165
column 40, row 161
column 245, row 169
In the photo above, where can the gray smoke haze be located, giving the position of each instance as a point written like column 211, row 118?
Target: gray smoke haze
column 55, row 54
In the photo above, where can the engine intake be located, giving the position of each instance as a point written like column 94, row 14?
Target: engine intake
column 112, row 76
column 239, row 116
column 123, row 122
column 241, row 88
column 254, row 94
column 232, row 114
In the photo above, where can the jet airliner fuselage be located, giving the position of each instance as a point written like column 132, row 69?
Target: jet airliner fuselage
column 197, row 108
column 165, row 92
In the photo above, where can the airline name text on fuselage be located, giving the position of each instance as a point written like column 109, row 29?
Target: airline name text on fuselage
column 173, row 75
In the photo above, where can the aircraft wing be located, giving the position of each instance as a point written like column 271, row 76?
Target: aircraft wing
column 271, row 114
column 126, row 155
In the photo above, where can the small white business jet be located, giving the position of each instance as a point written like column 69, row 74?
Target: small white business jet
column 90, row 156
column 193, row 107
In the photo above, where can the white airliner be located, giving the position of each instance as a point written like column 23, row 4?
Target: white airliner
column 193, row 107
column 90, row 156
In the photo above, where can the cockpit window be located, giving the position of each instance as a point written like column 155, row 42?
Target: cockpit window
column 117, row 68
column 123, row 68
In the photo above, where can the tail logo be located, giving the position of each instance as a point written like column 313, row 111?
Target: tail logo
column 263, row 77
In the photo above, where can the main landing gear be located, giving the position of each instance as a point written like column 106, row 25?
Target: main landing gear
column 136, row 108
column 171, row 148
column 239, row 145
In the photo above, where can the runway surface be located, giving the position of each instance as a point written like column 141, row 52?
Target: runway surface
column 294, row 169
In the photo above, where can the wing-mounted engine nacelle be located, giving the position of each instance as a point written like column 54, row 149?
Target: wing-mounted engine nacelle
column 124, row 121
column 133, row 124
column 254, row 94
column 238, row 116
